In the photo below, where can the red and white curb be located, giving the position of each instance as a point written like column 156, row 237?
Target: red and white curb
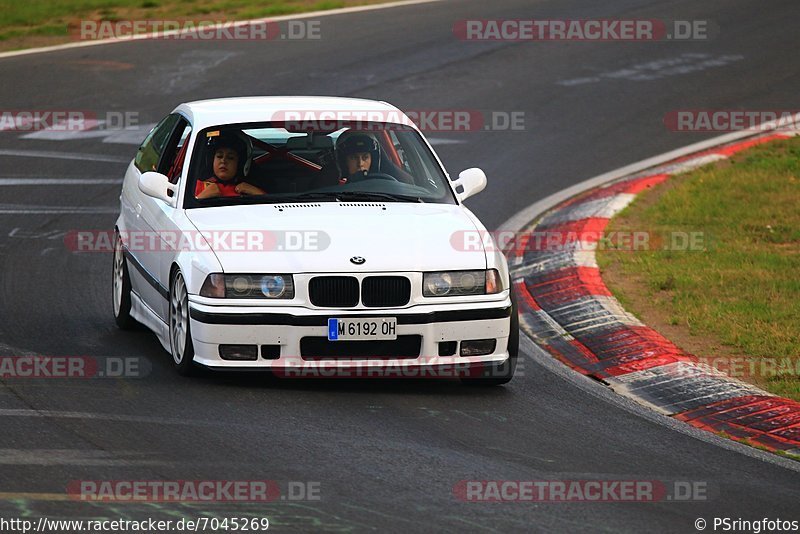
column 566, row 308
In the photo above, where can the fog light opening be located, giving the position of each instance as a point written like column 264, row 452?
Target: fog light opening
column 238, row 352
column 478, row 347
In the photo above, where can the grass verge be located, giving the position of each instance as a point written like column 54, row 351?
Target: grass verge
column 734, row 298
column 50, row 22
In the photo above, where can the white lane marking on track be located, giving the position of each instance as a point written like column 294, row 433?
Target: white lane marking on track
column 22, row 233
column 58, row 181
column 656, row 70
column 311, row 14
column 25, row 124
column 123, row 136
column 25, row 412
column 81, row 156
column 50, row 457
column 54, row 210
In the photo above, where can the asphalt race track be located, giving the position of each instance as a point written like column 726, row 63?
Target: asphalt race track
column 386, row 455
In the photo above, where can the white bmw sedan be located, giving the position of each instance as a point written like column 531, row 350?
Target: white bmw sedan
column 309, row 236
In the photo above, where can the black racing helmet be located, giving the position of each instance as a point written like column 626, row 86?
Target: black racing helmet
column 356, row 143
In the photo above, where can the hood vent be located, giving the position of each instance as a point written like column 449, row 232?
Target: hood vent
column 281, row 207
column 362, row 205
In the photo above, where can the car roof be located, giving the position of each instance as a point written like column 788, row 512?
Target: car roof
column 205, row 113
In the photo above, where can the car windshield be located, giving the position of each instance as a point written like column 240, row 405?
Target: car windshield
column 268, row 163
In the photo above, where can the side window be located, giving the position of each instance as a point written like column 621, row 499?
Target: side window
column 149, row 153
column 172, row 160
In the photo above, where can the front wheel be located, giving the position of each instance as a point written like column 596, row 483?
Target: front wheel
column 180, row 336
column 121, row 288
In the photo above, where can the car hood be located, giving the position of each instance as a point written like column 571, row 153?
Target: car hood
column 324, row 237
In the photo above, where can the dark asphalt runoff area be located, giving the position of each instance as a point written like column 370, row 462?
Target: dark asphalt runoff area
column 386, row 455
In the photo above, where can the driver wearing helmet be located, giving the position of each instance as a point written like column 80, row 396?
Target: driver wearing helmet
column 358, row 152
column 229, row 165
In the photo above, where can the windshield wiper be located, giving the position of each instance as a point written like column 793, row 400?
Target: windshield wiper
column 370, row 196
column 337, row 196
column 282, row 199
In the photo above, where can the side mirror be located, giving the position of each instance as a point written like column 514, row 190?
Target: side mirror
column 156, row 185
column 471, row 181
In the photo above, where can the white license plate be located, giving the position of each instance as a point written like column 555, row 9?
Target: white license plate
column 362, row 329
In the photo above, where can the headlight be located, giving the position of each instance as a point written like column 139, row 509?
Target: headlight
column 460, row 283
column 248, row 286
column 437, row 284
column 274, row 286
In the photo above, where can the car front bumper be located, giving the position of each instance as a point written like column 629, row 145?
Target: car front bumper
column 212, row 326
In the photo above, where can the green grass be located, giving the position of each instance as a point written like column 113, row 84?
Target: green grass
column 789, row 455
column 26, row 21
column 742, row 291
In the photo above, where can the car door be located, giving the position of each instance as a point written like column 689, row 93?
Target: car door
column 139, row 236
column 170, row 220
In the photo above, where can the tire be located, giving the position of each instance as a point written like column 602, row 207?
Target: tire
column 497, row 374
column 180, row 336
column 121, row 289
